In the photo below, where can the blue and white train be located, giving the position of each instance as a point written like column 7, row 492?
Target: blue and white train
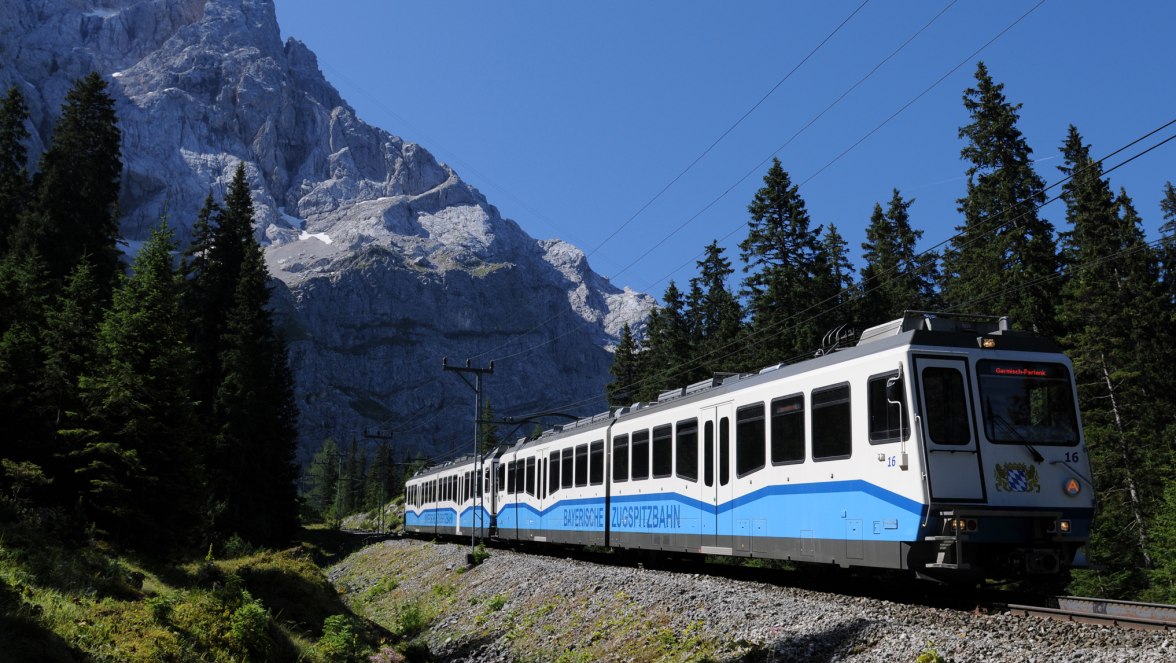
column 947, row 446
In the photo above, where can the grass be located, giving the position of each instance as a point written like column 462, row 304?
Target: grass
column 87, row 601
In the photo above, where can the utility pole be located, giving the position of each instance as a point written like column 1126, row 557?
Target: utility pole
column 477, row 387
column 383, row 436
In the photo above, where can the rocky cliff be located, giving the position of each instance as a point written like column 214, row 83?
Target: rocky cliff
column 385, row 260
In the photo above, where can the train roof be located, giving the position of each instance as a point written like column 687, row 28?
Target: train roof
column 914, row 328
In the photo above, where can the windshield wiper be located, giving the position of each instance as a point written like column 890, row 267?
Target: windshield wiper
column 1037, row 457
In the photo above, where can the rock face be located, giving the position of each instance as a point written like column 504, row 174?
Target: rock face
column 385, row 260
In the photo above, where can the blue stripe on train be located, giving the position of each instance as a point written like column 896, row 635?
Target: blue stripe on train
column 819, row 510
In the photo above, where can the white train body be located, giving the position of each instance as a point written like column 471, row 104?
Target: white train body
column 947, row 447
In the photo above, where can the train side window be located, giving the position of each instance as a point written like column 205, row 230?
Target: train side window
column 686, row 446
column 565, row 478
column 832, row 423
column 553, row 473
column 501, row 477
column 531, row 476
column 708, row 453
column 510, row 478
column 749, row 439
column 788, row 430
column 596, row 463
column 888, row 421
column 620, row 458
column 724, row 451
column 541, row 479
column 663, row 451
column 947, row 406
column 581, row 465
column 640, row 455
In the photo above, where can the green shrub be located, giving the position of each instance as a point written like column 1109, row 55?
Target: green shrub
column 249, row 625
column 410, row 620
column 496, row 602
column 339, row 643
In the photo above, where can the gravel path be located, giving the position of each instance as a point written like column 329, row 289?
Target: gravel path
column 520, row 607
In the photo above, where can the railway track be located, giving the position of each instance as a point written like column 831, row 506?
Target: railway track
column 1123, row 614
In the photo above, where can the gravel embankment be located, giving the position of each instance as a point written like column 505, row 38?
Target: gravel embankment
column 520, row 607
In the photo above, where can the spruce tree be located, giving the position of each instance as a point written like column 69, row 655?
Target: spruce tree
column 781, row 255
column 23, row 303
column 139, row 458
column 625, row 371
column 74, row 208
column 1168, row 241
column 14, row 177
column 718, row 315
column 895, row 277
column 1004, row 258
column 834, row 284
column 668, row 358
column 323, row 475
column 1110, row 312
column 255, row 411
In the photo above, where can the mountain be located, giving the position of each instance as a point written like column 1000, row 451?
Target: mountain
column 384, row 260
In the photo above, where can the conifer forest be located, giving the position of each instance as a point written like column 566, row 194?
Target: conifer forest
column 148, row 403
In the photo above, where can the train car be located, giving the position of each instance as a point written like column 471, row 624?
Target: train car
column 947, row 446
column 450, row 500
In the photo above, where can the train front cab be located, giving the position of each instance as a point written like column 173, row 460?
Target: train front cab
column 1006, row 474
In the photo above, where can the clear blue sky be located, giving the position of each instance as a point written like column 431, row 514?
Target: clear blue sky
column 571, row 116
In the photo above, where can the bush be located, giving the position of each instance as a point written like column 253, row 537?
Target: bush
column 249, row 625
column 339, row 642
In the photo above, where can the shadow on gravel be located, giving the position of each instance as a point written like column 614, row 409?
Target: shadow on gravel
column 814, row 648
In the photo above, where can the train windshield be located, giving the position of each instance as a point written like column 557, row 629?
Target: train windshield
column 1027, row 403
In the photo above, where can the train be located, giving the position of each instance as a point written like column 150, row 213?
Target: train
column 945, row 446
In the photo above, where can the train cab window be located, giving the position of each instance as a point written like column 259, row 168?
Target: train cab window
column 596, row 463
column 663, row 451
column 530, row 476
column 749, row 439
column 788, row 430
column 947, row 406
column 1027, row 402
column 565, row 472
column 888, row 420
column 708, row 453
column 686, row 446
column 640, row 458
column 724, row 451
column 581, row 465
column 832, row 424
column 553, row 473
column 620, row 458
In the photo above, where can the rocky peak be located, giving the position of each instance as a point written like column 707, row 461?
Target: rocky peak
column 388, row 260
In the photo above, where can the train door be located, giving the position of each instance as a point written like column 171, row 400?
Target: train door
column 716, row 479
column 950, row 442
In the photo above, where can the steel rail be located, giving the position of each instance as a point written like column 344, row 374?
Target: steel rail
column 1123, row 614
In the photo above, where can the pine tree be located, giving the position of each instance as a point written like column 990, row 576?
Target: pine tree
column 323, row 474
column 625, row 371
column 489, row 435
column 895, row 277
column 73, row 214
column 668, row 358
column 1168, row 241
column 14, row 177
column 23, row 304
column 834, row 285
column 1004, row 258
column 1110, row 312
column 255, row 411
column 781, row 261
column 139, row 458
column 717, row 313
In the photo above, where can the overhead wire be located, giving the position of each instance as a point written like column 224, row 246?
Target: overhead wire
column 784, row 326
column 673, row 181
